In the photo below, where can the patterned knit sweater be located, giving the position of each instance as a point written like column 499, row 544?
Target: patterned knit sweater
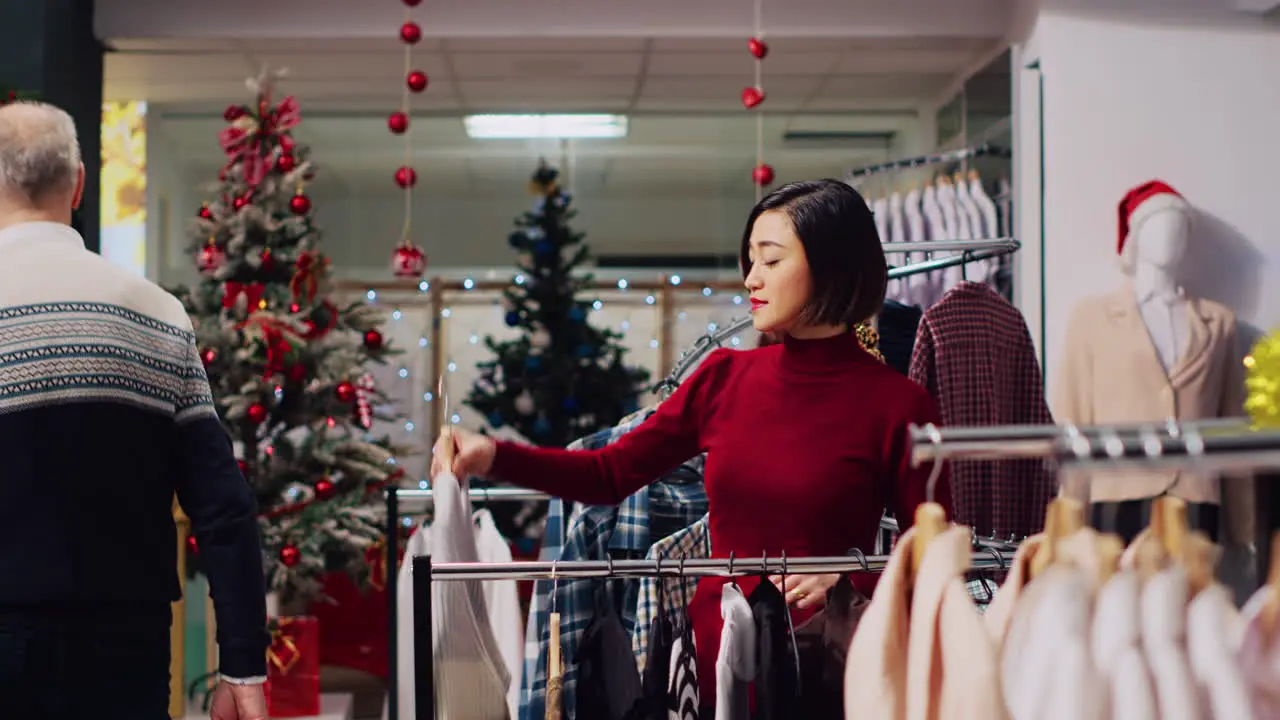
column 105, row 414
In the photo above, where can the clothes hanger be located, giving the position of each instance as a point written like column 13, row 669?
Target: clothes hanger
column 930, row 518
column 791, row 628
column 1200, row 557
column 1063, row 516
column 733, row 578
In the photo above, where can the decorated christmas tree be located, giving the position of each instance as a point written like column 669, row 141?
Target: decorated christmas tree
column 561, row 378
column 286, row 362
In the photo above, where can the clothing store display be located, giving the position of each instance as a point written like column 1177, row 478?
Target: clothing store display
column 501, row 604
column 675, row 501
column 896, row 662
column 736, row 663
column 897, row 324
column 655, row 595
column 655, row 674
column 850, row 460
column 974, row 355
column 471, row 677
column 999, row 613
column 683, row 689
column 106, row 413
column 1259, row 656
column 1163, row 619
column 1109, row 374
column 1141, row 203
column 1213, row 639
column 608, row 685
column 1126, row 686
column 822, row 645
column 1128, row 518
column 777, row 686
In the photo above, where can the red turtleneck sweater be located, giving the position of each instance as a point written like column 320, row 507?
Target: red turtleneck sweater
column 806, row 446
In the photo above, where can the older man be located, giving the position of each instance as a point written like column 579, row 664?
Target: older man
column 105, row 413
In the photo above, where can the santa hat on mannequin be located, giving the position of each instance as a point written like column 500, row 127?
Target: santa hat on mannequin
column 1141, row 203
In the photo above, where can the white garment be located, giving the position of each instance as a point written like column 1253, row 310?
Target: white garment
column 1165, row 316
column 1163, row 617
column 736, row 663
column 682, row 681
column 1259, row 658
column 917, row 286
column 1046, row 671
column 472, row 679
column 1213, row 642
column 986, row 207
column 502, row 599
column 1117, row 650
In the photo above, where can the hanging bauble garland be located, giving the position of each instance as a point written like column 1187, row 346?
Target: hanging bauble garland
column 408, row 260
column 752, row 98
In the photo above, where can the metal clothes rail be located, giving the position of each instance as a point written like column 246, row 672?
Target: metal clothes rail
column 926, row 160
column 425, row 573
column 969, row 251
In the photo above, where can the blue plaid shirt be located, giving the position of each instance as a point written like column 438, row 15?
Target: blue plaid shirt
column 672, row 502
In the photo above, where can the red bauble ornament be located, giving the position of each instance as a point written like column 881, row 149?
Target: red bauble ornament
column 324, row 488
column 752, row 97
column 210, row 258
column 290, row 555
column 257, row 413
column 286, row 144
column 233, row 113
column 297, row 373
column 759, row 48
column 244, row 467
column 762, row 175
column 410, row 33
column 373, row 340
column 206, row 213
column 192, row 545
column 406, row 177
column 208, row 356
column 240, row 202
column 286, row 163
column 268, row 260
column 417, row 81
column 398, row 122
column 300, row 204
column 408, row 262
column 412, row 3
column 295, row 308
column 345, row 391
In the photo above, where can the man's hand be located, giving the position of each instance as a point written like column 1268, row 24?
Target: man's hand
column 238, row 702
column 806, row 591
column 463, row 452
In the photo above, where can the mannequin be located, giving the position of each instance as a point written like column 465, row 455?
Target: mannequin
column 1148, row 352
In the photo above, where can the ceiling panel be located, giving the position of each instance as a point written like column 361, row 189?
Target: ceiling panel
column 740, row 64
column 579, row 90
column 471, row 66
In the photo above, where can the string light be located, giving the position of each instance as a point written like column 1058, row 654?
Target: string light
column 649, row 299
column 396, row 315
column 453, row 366
column 597, row 305
column 404, row 372
column 423, row 342
column 424, row 286
column 372, row 295
column 519, row 279
column 422, row 485
column 474, row 339
column 737, row 299
column 408, row 260
column 428, row 397
column 447, row 312
column 622, row 283
column 706, row 292
column 468, row 284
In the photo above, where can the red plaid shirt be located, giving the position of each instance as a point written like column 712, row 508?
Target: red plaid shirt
column 974, row 355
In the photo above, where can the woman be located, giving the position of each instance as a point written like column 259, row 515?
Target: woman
column 806, row 440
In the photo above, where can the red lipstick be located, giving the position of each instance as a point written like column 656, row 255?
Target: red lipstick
column 757, row 304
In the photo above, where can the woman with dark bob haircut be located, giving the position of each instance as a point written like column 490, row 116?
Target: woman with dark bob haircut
column 806, row 440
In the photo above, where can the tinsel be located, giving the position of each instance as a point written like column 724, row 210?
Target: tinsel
column 1262, row 382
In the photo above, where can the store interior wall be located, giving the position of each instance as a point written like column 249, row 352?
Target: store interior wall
column 1191, row 104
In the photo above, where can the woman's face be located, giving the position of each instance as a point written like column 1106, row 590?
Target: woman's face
column 779, row 280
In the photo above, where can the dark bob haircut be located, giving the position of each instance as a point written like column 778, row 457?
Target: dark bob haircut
column 838, row 233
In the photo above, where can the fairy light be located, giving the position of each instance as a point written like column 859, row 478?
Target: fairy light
column 597, row 305
column 424, row 286
column 396, row 314
column 622, row 283
column 706, row 292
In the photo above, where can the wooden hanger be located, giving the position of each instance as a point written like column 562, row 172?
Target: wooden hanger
column 930, row 522
column 1166, row 539
column 973, row 175
column 1062, row 517
column 1200, row 557
column 1271, row 611
column 1109, row 549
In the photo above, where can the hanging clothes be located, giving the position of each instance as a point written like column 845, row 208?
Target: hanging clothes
column 736, row 662
column 655, row 674
column 683, row 687
column 999, row 613
column 1127, row 687
column 939, row 664
column 1214, row 630
column 974, row 355
column 777, row 689
column 822, row 645
column 608, row 684
column 1259, row 656
column 687, row 544
column 897, row 324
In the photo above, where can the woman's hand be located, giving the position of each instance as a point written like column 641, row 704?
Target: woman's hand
column 806, row 591
column 463, row 453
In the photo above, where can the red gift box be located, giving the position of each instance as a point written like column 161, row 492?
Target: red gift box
column 293, row 668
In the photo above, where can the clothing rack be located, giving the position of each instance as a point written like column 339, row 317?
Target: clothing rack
column 926, row 160
column 970, row 251
column 425, row 573
column 1209, row 445
column 403, row 502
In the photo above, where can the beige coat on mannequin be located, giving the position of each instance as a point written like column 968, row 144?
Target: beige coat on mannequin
column 1110, row 374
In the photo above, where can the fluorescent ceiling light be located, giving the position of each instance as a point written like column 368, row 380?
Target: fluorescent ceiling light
column 495, row 127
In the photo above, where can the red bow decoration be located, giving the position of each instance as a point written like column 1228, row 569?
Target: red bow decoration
column 376, row 556
column 311, row 266
column 243, row 141
column 283, row 652
column 252, row 291
column 314, row 331
column 278, row 338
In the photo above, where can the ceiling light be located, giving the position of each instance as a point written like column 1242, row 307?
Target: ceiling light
column 508, row 127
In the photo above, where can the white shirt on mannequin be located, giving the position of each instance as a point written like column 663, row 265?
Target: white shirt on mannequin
column 1159, row 245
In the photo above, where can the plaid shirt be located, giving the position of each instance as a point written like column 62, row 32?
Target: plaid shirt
column 689, row 543
column 664, row 507
column 974, row 355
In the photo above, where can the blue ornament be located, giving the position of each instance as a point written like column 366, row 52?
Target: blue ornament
column 576, row 313
column 512, row 318
column 544, row 248
column 584, row 351
column 571, row 404
column 495, row 419
column 541, row 427
column 533, row 363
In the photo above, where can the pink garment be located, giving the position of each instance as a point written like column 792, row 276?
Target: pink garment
column 1259, row 659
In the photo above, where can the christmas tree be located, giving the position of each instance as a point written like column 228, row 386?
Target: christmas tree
column 286, row 363
column 561, row 378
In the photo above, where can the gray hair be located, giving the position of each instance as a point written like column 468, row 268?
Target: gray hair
column 39, row 151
